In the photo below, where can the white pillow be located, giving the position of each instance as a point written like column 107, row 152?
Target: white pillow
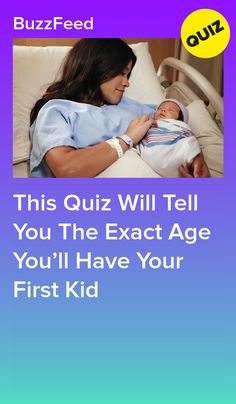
column 35, row 68
column 144, row 83
column 209, row 136
column 200, row 119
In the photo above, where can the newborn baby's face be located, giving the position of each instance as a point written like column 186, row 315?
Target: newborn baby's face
column 167, row 110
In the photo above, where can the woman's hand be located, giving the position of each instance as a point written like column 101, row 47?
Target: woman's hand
column 138, row 128
column 198, row 168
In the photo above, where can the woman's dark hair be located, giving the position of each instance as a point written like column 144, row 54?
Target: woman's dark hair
column 90, row 63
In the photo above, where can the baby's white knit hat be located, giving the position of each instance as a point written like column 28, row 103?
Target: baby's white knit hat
column 180, row 105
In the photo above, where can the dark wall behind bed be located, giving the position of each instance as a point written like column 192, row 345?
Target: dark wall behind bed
column 160, row 48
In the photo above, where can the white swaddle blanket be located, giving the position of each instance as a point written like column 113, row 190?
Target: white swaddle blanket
column 169, row 145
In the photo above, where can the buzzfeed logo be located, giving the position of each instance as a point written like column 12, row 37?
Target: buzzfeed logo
column 21, row 23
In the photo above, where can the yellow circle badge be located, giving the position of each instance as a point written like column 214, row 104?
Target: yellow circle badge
column 205, row 33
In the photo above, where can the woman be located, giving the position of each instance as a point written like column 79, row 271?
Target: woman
column 83, row 124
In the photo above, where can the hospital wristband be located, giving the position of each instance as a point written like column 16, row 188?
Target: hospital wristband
column 115, row 144
column 127, row 140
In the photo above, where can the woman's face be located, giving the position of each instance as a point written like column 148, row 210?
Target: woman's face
column 113, row 89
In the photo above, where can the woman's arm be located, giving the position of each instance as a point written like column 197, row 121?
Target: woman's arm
column 65, row 161
column 198, row 168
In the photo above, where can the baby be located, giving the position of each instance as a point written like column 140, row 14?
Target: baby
column 170, row 143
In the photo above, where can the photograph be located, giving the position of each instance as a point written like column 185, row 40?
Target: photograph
column 116, row 108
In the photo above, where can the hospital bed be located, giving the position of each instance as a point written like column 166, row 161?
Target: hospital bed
column 35, row 68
